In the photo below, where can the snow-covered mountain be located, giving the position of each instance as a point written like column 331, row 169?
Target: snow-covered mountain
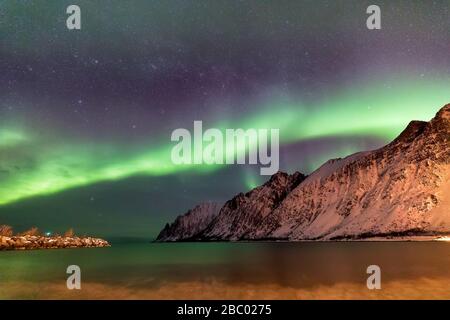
column 243, row 214
column 402, row 188
column 191, row 223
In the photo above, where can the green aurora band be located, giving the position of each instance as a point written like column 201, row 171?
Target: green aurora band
column 374, row 110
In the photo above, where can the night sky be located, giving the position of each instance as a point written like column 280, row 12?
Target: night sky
column 86, row 115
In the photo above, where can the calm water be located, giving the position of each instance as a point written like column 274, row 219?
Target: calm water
column 146, row 269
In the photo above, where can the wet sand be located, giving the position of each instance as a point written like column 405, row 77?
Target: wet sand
column 424, row 288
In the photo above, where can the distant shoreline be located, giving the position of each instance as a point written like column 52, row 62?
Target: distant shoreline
column 424, row 238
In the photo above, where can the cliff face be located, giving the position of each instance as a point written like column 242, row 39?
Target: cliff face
column 401, row 188
column 245, row 212
column 190, row 223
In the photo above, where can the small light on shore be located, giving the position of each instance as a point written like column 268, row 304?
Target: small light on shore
column 48, row 233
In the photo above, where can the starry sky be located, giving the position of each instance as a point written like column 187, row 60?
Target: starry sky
column 86, row 115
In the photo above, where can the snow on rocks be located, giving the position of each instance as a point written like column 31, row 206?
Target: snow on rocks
column 27, row 242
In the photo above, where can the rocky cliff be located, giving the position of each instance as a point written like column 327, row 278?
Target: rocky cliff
column 243, row 214
column 402, row 188
column 190, row 223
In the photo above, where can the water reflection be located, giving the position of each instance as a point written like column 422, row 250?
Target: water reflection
column 287, row 269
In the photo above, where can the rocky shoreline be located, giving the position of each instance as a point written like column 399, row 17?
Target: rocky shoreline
column 30, row 242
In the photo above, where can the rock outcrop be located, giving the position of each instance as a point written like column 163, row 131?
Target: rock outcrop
column 28, row 242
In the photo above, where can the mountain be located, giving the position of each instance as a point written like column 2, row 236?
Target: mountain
column 244, row 213
column 402, row 188
column 190, row 223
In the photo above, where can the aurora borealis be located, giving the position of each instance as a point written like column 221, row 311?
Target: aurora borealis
column 86, row 116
